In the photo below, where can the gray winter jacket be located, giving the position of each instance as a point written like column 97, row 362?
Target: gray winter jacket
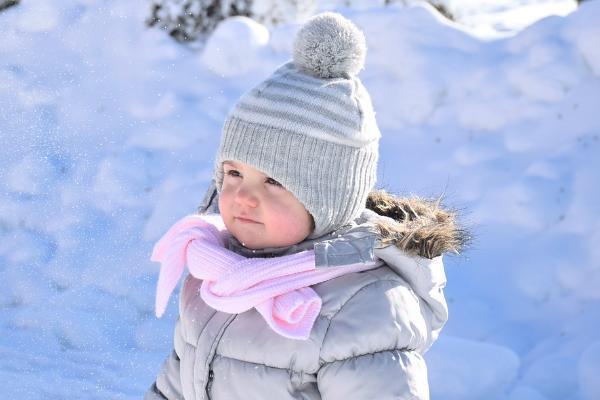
column 369, row 339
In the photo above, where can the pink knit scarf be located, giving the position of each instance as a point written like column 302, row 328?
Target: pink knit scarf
column 277, row 287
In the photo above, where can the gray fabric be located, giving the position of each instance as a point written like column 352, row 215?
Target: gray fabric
column 154, row 394
column 367, row 342
column 352, row 248
column 394, row 374
column 311, row 125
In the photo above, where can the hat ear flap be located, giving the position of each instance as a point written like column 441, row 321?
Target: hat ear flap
column 210, row 201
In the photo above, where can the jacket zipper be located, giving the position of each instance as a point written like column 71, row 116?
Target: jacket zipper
column 212, row 354
column 211, row 376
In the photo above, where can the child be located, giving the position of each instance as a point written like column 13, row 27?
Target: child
column 307, row 284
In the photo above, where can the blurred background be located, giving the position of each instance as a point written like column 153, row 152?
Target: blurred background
column 110, row 115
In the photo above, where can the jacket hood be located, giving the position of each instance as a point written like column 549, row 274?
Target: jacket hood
column 413, row 234
column 409, row 235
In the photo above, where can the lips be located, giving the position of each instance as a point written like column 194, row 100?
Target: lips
column 246, row 220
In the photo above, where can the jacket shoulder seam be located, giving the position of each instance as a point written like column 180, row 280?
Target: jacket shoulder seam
column 260, row 363
column 370, row 353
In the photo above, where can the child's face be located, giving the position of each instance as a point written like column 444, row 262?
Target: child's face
column 258, row 211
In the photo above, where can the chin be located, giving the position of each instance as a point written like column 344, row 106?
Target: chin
column 248, row 240
column 250, row 244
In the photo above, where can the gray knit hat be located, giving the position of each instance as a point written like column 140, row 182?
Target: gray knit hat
column 311, row 125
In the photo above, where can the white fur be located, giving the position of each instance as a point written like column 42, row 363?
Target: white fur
column 330, row 46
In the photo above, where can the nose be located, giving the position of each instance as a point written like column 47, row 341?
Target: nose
column 245, row 196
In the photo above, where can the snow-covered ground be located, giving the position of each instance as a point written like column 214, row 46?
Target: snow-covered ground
column 107, row 136
column 483, row 18
column 493, row 17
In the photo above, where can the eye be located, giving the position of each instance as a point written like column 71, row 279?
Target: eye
column 233, row 172
column 272, row 181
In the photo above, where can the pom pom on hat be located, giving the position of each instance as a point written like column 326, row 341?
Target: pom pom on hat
column 330, row 46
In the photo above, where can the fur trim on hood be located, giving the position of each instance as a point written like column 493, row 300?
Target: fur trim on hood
column 416, row 225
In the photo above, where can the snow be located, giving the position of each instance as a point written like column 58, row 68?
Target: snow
column 588, row 367
column 41, row 17
column 235, row 46
column 468, row 378
column 109, row 130
column 490, row 17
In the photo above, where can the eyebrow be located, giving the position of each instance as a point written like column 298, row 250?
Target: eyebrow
column 230, row 163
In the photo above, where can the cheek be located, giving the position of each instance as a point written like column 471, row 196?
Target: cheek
column 300, row 230
column 291, row 221
column 224, row 203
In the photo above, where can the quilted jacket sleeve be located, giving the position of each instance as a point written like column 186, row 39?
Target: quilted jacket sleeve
column 390, row 374
column 168, row 382
column 374, row 344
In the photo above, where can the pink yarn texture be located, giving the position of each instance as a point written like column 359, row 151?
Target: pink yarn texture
column 277, row 287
